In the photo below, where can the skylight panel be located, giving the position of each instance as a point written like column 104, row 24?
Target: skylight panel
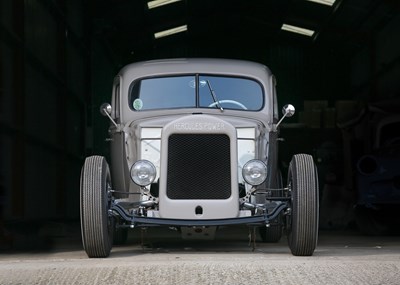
column 298, row 30
column 169, row 32
column 159, row 3
column 324, row 2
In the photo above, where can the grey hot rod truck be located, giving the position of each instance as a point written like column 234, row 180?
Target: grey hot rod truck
column 194, row 147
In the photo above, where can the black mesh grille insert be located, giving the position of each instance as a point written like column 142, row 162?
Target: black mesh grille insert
column 199, row 166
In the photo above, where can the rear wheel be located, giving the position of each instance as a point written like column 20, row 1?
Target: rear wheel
column 96, row 224
column 302, row 224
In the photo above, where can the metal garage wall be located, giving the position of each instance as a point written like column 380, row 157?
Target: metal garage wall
column 44, row 84
column 308, row 73
column 103, row 71
column 388, row 60
column 77, row 63
column 6, row 89
column 376, row 67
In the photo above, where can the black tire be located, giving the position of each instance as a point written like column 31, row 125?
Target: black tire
column 96, row 224
column 303, row 222
column 273, row 233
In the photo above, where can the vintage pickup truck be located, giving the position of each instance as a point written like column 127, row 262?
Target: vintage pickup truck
column 194, row 147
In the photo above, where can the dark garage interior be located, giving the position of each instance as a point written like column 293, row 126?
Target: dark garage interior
column 59, row 58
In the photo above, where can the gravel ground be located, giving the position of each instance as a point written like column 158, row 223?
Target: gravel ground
column 339, row 259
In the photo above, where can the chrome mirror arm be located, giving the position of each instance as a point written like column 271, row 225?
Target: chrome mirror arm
column 112, row 120
column 287, row 111
column 105, row 110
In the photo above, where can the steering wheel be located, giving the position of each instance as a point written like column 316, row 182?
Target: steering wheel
column 229, row 102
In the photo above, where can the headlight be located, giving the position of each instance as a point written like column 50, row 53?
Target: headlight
column 254, row 172
column 143, row 172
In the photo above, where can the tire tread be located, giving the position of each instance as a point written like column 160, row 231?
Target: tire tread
column 94, row 215
column 303, row 236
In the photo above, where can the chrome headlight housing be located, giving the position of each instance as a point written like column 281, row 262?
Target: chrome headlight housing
column 143, row 172
column 254, row 172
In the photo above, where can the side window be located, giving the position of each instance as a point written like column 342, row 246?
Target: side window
column 116, row 102
column 276, row 112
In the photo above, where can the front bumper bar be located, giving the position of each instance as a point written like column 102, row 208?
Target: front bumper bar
column 141, row 221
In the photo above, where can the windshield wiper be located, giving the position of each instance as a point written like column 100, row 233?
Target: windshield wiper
column 214, row 96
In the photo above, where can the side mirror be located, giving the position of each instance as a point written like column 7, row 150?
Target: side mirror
column 105, row 109
column 287, row 111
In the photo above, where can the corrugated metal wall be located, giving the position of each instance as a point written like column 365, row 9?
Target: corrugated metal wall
column 104, row 69
column 375, row 68
column 308, row 73
column 44, row 87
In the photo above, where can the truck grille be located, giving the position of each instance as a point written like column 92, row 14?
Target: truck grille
column 199, row 166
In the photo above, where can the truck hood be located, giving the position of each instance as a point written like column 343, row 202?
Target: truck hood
column 161, row 121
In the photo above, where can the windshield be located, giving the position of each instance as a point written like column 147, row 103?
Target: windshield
column 196, row 91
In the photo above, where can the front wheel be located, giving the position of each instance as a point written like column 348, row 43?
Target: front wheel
column 302, row 223
column 96, row 224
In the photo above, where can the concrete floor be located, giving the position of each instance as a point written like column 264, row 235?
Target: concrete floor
column 345, row 257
